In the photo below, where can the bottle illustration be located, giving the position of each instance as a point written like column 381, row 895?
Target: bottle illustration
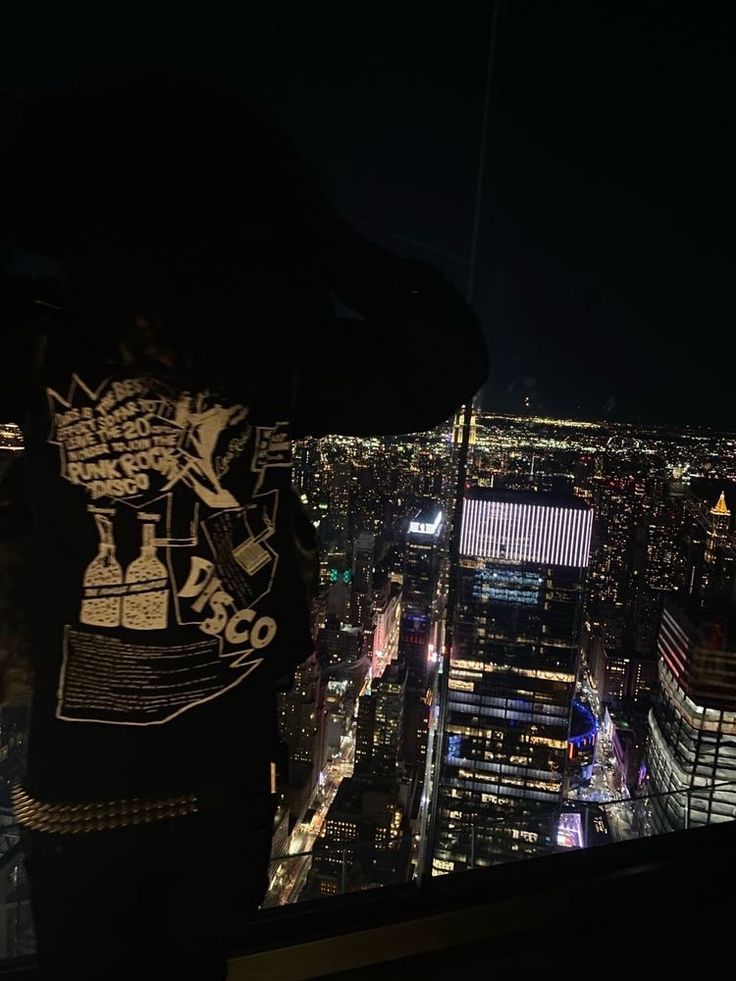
column 103, row 577
column 146, row 599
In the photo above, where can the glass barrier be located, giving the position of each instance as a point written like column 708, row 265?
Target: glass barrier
column 345, row 862
column 349, row 861
column 550, row 672
column 16, row 921
column 334, row 868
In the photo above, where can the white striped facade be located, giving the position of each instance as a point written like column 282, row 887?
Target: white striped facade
column 524, row 532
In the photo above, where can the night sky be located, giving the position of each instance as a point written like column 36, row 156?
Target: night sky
column 606, row 252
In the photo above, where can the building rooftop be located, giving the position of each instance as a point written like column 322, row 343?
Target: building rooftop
column 720, row 507
column 541, row 498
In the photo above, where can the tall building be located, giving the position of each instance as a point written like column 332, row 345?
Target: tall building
column 508, row 703
column 620, row 675
column 458, row 423
column 300, row 714
column 364, row 557
column 610, row 669
column 336, row 576
column 379, row 728
column 364, row 841
column 711, row 551
column 422, row 560
column 421, row 568
column 720, row 519
column 696, row 533
column 340, row 485
column 719, row 559
column 302, row 728
column 642, row 677
column 386, row 633
column 338, row 644
column 692, row 743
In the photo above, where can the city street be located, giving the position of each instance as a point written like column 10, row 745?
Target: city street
column 433, row 746
column 290, row 874
column 606, row 786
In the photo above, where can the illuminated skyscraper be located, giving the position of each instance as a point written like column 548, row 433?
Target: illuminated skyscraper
column 711, row 554
column 720, row 519
column 421, row 569
column 718, row 565
column 508, row 702
column 457, row 426
column 692, row 744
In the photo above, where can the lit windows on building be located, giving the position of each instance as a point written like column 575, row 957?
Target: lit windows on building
column 505, row 753
column 692, row 742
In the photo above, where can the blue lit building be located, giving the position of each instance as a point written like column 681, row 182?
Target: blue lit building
column 506, row 747
column 581, row 743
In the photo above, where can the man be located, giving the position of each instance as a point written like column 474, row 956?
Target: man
column 170, row 277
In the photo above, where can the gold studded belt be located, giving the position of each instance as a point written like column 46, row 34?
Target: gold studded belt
column 99, row 815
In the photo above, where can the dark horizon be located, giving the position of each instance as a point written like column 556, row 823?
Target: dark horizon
column 605, row 245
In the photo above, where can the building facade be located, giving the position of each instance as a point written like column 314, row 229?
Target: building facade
column 692, row 740
column 422, row 562
column 364, row 842
column 364, row 557
column 508, row 704
column 380, row 723
column 421, row 568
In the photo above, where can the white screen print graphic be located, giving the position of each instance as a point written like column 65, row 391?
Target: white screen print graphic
column 127, row 439
column 168, row 614
column 102, row 585
column 137, row 599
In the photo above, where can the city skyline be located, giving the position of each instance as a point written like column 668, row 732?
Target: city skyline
column 363, row 725
column 654, row 494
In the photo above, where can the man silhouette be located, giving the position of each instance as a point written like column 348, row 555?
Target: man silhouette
column 165, row 247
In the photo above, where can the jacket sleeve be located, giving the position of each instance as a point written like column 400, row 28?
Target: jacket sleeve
column 415, row 355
